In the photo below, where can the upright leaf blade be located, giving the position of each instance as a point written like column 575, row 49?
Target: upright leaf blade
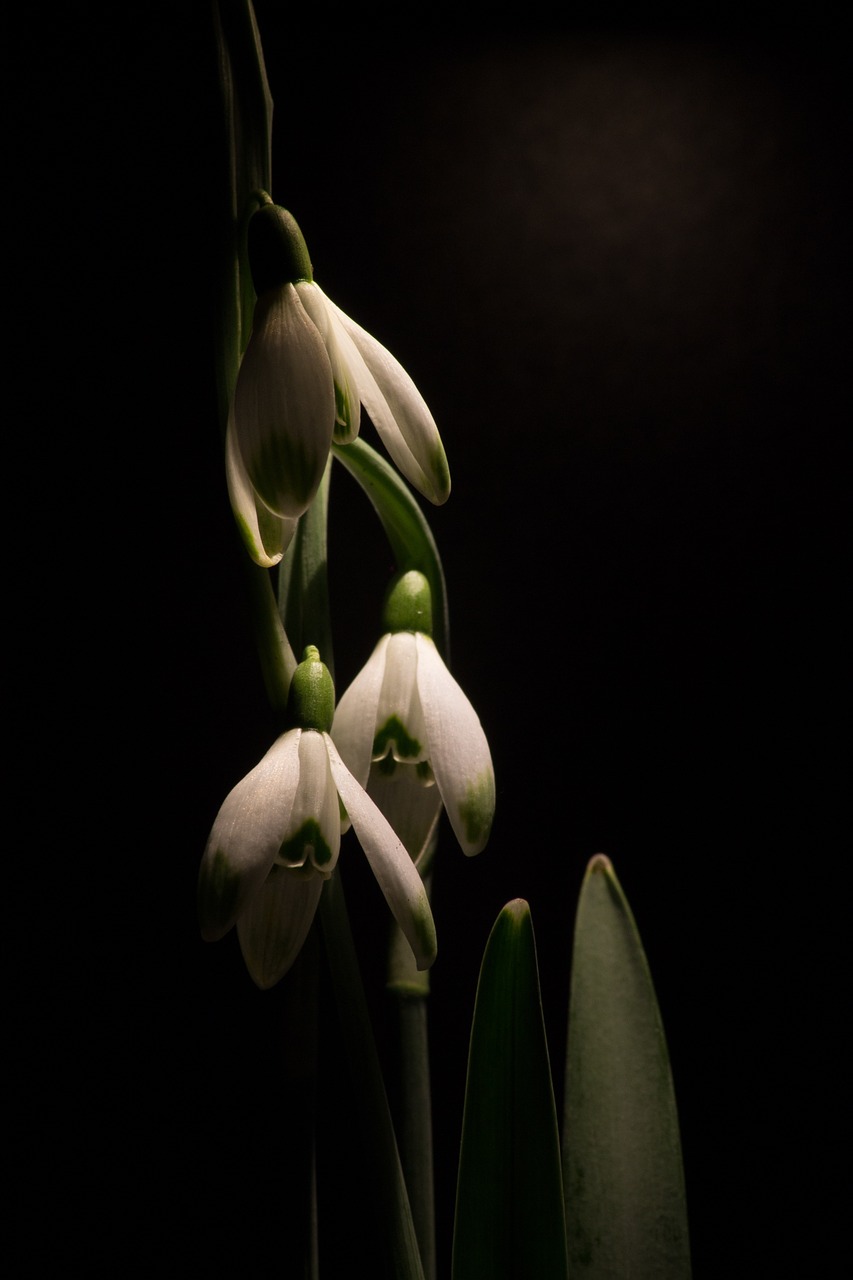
column 509, row 1205
column 626, row 1210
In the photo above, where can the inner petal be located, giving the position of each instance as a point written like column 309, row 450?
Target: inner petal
column 400, row 726
column 313, row 838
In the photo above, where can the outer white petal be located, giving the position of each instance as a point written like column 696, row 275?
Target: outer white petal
column 395, row 872
column 275, row 924
column 459, row 752
column 347, row 399
column 266, row 535
column 397, row 409
column 246, row 836
column 354, row 725
column 284, row 404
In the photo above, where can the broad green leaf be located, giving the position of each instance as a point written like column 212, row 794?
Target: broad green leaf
column 509, row 1202
column 626, row 1212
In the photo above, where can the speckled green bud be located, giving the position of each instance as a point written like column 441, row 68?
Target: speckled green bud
column 277, row 251
column 311, row 704
column 408, row 604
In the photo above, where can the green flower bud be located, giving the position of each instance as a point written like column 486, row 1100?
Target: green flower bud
column 311, row 703
column 408, row 604
column 277, row 251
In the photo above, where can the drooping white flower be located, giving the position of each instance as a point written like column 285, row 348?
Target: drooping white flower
column 404, row 721
column 307, row 370
column 277, row 838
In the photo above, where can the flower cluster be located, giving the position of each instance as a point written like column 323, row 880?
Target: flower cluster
column 404, row 739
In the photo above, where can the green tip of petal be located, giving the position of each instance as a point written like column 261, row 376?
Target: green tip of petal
column 218, row 896
column 477, row 811
column 307, row 846
column 440, row 477
column 393, row 742
column 426, row 948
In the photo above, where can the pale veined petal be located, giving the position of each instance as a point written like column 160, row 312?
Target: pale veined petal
column 354, row 724
column 458, row 750
column 284, row 404
column 397, row 410
column 399, row 719
column 267, row 536
column 411, row 807
column 275, row 924
column 347, row 399
column 246, row 836
column 313, row 834
column 390, row 863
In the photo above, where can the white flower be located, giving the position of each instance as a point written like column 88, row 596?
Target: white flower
column 307, row 370
column 276, row 840
column 404, row 714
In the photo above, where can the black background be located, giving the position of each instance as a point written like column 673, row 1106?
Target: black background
column 612, row 255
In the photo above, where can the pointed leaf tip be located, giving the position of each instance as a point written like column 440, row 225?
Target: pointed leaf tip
column 509, row 1207
column 622, row 1167
column 599, row 862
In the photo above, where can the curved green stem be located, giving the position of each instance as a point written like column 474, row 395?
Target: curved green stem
column 303, row 581
column 405, row 526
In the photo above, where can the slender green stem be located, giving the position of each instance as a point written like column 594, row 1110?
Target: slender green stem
column 405, row 525
column 299, row 1243
column 409, row 988
column 416, row 1122
column 383, row 1172
column 303, row 582
column 277, row 659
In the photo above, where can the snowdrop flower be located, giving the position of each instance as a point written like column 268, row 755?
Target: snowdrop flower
column 404, row 721
column 277, row 836
column 307, row 370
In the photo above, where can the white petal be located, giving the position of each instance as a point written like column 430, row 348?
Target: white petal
column 246, row 836
column 284, row 404
column 266, row 535
column 458, row 750
column 397, row 410
column 389, row 861
column 354, row 725
column 347, row 399
column 411, row 807
column 275, row 924
column 314, row 829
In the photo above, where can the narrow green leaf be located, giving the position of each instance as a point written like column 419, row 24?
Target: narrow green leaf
column 626, row 1211
column 405, row 526
column 246, row 123
column 509, row 1201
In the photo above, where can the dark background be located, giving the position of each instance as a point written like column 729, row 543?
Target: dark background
column 612, row 254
